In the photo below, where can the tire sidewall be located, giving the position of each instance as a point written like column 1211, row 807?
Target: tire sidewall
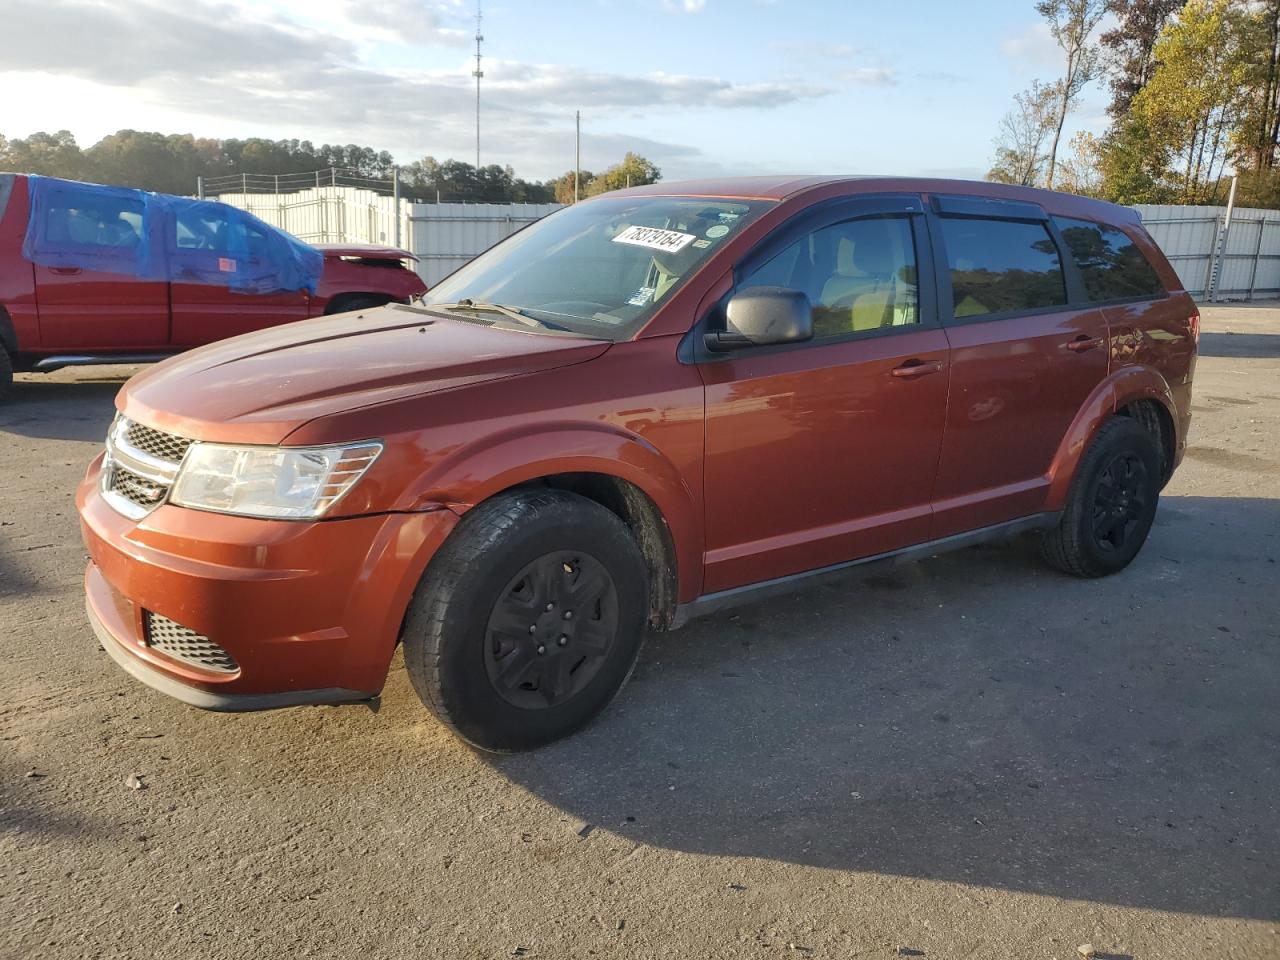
column 1126, row 437
column 475, row 709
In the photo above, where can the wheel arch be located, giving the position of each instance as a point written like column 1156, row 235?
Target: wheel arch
column 1136, row 391
column 618, row 470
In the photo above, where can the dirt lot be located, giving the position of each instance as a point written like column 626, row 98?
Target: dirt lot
column 969, row 757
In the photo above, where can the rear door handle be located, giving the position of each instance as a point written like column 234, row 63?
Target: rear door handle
column 916, row 368
column 65, row 271
column 1082, row 343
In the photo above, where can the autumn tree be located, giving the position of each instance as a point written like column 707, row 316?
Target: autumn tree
column 1129, row 56
column 1193, row 100
column 1259, row 128
column 633, row 171
column 1024, row 130
column 1072, row 23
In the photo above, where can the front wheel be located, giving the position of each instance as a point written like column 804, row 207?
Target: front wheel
column 529, row 619
column 1111, row 505
column 6, row 375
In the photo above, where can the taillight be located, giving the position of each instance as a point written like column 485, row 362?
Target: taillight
column 1194, row 324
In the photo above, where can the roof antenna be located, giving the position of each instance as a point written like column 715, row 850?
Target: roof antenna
column 478, row 73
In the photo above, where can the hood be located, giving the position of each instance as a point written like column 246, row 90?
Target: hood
column 369, row 251
column 260, row 387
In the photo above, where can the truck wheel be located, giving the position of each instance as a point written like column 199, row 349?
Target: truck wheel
column 6, row 375
column 1111, row 505
column 529, row 619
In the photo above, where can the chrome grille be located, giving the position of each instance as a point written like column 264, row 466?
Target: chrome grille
column 140, row 467
column 166, row 446
column 182, row 643
column 136, row 489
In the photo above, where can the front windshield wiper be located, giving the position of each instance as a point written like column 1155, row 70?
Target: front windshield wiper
column 511, row 313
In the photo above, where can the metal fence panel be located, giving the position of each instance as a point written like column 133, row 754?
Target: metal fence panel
column 1249, row 263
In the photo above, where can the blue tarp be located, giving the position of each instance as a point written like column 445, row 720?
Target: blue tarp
column 157, row 236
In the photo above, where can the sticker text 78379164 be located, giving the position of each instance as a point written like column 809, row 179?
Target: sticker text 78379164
column 655, row 238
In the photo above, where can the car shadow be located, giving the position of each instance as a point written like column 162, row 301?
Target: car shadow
column 1239, row 344
column 46, row 409
column 975, row 718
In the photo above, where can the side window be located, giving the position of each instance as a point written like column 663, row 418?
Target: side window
column 859, row 275
column 202, row 228
column 1001, row 266
column 85, row 218
column 1112, row 265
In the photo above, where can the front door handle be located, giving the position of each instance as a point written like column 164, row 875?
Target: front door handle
column 916, row 368
column 1082, row 343
column 65, row 271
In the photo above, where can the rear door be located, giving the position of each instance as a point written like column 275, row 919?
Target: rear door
column 87, row 309
column 822, row 452
column 1026, row 352
column 206, row 249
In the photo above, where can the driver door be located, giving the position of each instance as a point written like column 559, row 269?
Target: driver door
column 826, row 451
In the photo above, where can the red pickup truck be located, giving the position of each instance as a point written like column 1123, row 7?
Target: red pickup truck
column 53, row 316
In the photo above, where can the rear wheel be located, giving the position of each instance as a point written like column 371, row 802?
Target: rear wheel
column 1111, row 505
column 529, row 619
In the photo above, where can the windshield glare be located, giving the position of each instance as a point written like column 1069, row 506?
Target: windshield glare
column 602, row 267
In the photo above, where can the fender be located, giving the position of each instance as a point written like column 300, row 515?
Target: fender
column 1120, row 388
column 476, row 471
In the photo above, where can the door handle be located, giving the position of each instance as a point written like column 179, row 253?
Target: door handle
column 916, row 368
column 65, row 271
column 1082, row 343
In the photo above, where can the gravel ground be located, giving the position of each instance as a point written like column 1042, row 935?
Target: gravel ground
column 967, row 757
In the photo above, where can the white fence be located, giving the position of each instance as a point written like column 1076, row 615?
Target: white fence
column 443, row 236
column 1247, row 262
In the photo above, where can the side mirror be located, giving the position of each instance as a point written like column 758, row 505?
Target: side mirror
column 760, row 316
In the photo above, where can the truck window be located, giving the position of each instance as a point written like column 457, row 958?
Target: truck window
column 1111, row 264
column 88, row 218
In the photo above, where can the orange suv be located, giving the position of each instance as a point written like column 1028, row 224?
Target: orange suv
column 645, row 407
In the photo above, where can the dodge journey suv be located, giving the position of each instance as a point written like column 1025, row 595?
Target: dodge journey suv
column 643, row 408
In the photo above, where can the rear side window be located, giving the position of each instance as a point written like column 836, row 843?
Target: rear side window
column 1001, row 266
column 1112, row 265
column 94, row 218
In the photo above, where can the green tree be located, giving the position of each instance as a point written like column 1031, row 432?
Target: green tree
column 1193, row 101
column 633, row 171
column 1130, row 46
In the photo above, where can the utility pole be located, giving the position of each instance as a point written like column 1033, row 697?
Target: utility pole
column 478, row 73
column 577, row 152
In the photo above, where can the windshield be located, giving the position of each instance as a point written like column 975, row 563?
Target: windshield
column 599, row 268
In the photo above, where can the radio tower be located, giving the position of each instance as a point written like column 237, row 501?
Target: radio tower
column 478, row 73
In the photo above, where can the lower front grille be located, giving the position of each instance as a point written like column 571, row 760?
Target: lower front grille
column 138, row 490
column 182, row 643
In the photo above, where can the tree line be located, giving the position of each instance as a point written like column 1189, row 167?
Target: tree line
column 172, row 163
column 1195, row 95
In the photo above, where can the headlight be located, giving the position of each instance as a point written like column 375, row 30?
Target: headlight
column 288, row 482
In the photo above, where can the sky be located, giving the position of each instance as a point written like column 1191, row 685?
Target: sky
column 700, row 87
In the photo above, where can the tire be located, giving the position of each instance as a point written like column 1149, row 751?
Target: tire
column 1111, row 505
column 6, row 376
column 535, row 558
column 350, row 302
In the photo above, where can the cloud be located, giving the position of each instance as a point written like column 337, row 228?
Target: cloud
column 421, row 22
column 230, row 63
column 1034, row 47
column 870, row 76
column 808, row 49
column 685, row 6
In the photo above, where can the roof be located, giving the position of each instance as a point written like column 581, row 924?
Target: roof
column 783, row 187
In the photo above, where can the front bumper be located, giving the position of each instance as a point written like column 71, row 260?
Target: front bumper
column 310, row 611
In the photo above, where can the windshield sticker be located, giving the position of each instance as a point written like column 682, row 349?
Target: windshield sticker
column 719, row 230
column 654, row 238
column 702, row 244
column 642, row 296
